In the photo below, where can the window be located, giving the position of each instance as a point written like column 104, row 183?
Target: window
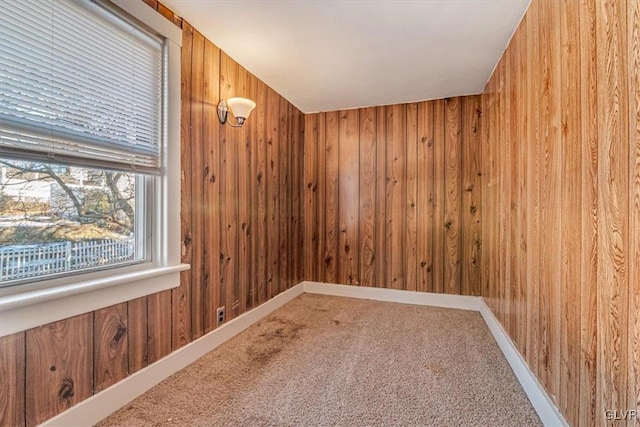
column 89, row 151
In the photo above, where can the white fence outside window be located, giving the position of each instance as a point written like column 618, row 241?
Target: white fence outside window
column 24, row 261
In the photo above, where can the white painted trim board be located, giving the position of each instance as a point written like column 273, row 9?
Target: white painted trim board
column 97, row 407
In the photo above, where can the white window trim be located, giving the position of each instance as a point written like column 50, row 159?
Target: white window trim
column 24, row 306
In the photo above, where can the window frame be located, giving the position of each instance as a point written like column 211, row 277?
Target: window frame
column 40, row 302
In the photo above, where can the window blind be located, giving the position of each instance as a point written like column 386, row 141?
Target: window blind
column 79, row 85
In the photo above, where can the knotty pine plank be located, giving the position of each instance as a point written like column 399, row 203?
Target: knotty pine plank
column 283, row 199
column 367, row 191
column 273, row 189
column 320, row 214
column 137, row 333
column 381, row 191
column 589, row 216
column 12, row 379
column 411, row 190
column 59, row 367
column 197, row 185
column 332, row 174
column 438, row 195
column 158, row 325
column 613, row 206
column 424, row 198
column 181, row 296
column 348, row 194
column 571, row 179
column 210, row 203
column 262, row 229
column 452, row 182
column 111, row 346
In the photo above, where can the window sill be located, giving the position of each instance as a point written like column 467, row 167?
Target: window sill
column 26, row 310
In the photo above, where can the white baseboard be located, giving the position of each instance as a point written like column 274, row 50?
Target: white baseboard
column 92, row 410
column 97, row 407
column 542, row 403
column 462, row 302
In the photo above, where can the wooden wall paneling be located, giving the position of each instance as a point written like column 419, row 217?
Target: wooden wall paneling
column 181, row 296
column 158, row 325
column 381, row 198
column 332, row 177
column 411, row 190
column 245, row 225
column 59, row 367
column 438, row 195
column 111, row 346
column 229, row 139
column 261, row 247
column 502, row 250
column 348, row 194
column 273, row 190
column 367, row 191
column 633, row 47
column 137, row 333
column 167, row 13
column 320, row 211
column 571, row 179
column 589, row 215
column 210, row 204
column 549, row 37
column 424, row 198
column 12, row 379
column 520, row 159
column 613, row 205
column 511, row 182
column 296, row 189
column 471, row 197
column 533, row 193
column 283, row 196
column 197, row 184
column 452, row 182
column 396, row 195
column 311, row 199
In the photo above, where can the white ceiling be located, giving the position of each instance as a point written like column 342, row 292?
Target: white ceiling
column 331, row 55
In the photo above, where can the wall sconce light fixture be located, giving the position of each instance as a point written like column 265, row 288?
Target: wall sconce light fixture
column 239, row 107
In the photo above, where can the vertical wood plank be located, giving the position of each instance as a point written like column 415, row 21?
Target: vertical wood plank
column 137, row 334
column 311, row 197
column 613, row 204
column 571, row 179
column 452, row 182
column 411, row 236
column 381, row 199
column 158, row 325
column 471, row 197
column 438, row 195
column 424, row 199
column 260, row 176
column 273, row 192
column 533, row 194
column 283, row 199
column 395, row 197
column 589, row 216
column 59, row 367
column 111, row 346
column 348, row 194
column 197, row 185
column 244, row 195
column 210, row 204
column 320, row 213
column 332, row 173
column 12, row 383
column 181, row 296
column 367, row 191
column 229, row 138
column 633, row 47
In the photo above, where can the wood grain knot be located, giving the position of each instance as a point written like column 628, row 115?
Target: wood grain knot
column 472, row 209
column 66, row 389
column 448, row 224
column 259, row 177
column 423, row 264
column 121, row 331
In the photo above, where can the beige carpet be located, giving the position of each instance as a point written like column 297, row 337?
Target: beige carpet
column 329, row 361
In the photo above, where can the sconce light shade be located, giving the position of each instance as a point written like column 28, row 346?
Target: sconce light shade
column 240, row 107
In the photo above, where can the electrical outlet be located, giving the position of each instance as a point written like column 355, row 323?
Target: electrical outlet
column 220, row 315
